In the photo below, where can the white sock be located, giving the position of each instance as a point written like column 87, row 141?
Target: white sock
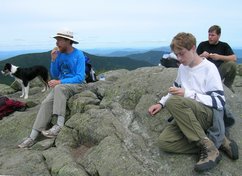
column 60, row 121
column 34, row 134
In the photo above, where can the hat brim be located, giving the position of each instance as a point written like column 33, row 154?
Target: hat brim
column 74, row 41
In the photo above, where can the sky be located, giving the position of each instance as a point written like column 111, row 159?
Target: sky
column 31, row 24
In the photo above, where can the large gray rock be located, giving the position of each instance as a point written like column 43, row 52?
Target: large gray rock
column 108, row 131
column 5, row 89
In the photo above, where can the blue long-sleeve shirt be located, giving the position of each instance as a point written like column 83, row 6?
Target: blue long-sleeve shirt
column 69, row 68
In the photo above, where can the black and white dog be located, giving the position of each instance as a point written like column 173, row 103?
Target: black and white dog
column 25, row 75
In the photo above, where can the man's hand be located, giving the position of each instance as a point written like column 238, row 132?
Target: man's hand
column 177, row 91
column 53, row 83
column 205, row 54
column 154, row 109
column 214, row 56
column 54, row 53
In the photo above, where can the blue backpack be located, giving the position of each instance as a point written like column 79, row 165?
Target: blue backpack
column 90, row 73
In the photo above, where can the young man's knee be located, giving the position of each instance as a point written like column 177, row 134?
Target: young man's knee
column 173, row 100
column 164, row 145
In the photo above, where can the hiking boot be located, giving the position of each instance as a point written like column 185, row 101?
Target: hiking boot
column 209, row 155
column 27, row 143
column 53, row 132
column 230, row 148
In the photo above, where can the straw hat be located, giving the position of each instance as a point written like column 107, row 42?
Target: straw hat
column 65, row 33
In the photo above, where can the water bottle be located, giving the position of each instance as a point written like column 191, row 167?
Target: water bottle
column 101, row 77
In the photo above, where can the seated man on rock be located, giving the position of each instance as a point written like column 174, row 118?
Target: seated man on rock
column 68, row 75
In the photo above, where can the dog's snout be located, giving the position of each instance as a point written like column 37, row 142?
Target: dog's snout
column 5, row 72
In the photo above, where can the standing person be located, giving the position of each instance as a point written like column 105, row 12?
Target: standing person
column 221, row 54
column 68, row 75
column 196, row 91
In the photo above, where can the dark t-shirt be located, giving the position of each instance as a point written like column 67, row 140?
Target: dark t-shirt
column 221, row 48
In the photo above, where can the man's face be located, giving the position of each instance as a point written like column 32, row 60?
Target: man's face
column 213, row 38
column 62, row 44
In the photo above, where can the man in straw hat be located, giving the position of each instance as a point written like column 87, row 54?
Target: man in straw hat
column 67, row 71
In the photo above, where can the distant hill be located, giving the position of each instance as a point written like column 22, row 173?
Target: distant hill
column 113, row 63
column 126, row 52
column 153, row 57
column 100, row 63
column 116, row 52
column 9, row 54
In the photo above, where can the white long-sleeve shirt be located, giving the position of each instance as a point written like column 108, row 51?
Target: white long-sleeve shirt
column 201, row 83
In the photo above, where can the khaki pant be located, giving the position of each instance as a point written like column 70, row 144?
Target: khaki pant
column 191, row 119
column 227, row 72
column 55, row 104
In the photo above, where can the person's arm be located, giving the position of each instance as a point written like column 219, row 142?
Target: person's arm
column 226, row 49
column 174, row 90
column 54, row 68
column 213, row 95
column 159, row 105
column 155, row 109
column 215, row 56
column 227, row 55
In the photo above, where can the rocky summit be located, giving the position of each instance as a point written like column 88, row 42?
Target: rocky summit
column 108, row 131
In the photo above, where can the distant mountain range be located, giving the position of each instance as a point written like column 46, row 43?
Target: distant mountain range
column 152, row 57
column 127, row 59
column 100, row 63
column 110, row 52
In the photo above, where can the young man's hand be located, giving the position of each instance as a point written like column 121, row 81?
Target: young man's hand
column 154, row 109
column 177, row 91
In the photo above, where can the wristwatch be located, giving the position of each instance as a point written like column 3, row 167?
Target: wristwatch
column 162, row 106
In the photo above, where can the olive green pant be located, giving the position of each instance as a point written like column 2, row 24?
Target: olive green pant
column 227, row 72
column 191, row 119
column 55, row 104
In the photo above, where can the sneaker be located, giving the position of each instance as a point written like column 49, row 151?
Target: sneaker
column 209, row 156
column 27, row 143
column 230, row 148
column 53, row 132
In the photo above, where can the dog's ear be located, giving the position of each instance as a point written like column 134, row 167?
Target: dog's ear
column 8, row 65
